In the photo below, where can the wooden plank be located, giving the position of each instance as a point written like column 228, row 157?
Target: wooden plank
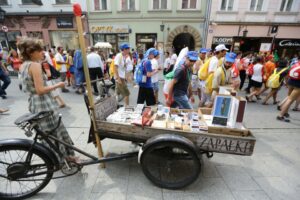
column 203, row 141
column 106, row 107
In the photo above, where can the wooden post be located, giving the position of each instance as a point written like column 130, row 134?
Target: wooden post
column 77, row 12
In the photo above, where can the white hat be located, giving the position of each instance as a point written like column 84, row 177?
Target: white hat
column 221, row 47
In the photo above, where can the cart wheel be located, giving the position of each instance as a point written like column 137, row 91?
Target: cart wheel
column 170, row 162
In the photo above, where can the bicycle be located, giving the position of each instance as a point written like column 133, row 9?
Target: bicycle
column 27, row 166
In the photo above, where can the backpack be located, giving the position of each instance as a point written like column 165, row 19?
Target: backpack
column 250, row 69
column 203, row 71
column 140, row 72
column 274, row 80
column 54, row 73
column 294, row 72
column 209, row 81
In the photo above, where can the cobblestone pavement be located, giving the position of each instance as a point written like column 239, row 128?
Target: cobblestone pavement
column 272, row 172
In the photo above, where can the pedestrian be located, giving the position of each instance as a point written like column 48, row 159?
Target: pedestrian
column 282, row 70
column 155, row 78
column 146, row 92
column 55, row 93
column 96, row 68
column 167, row 65
column 269, row 68
column 294, row 92
column 4, row 77
column 120, row 72
column 222, row 76
column 71, row 68
column 180, row 87
column 15, row 61
column 61, row 66
column 40, row 99
column 256, row 79
column 78, row 72
column 196, row 83
column 129, row 68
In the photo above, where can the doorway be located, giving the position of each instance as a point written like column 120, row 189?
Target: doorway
column 183, row 40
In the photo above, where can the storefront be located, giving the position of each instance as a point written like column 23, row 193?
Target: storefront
column 228, row 41
column 8, row 39
column 145, row 41
column 114, row 34
column 287, row 47
column 249, row 44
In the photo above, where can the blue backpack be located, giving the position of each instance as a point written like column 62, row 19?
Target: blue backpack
column 140, row 71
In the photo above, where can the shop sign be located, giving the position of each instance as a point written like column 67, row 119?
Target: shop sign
column 146, row 40
column 222, row 40
column 110, row 29
column 65, row 22
column 289, row 43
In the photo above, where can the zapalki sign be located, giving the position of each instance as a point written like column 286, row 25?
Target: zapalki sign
column 110, row 29
column 289, row 43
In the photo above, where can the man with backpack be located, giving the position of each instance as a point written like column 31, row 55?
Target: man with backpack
column 180, row 87
column 222, row 75
column 143, row 78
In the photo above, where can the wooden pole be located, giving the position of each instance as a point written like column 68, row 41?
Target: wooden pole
column 78, row 13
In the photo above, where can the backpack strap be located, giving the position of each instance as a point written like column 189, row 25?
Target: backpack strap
column 281, row 71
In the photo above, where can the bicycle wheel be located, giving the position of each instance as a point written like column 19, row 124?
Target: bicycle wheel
column 170, row 164
column 18, row 179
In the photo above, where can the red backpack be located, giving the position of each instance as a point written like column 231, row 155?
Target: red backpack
column 294, row 72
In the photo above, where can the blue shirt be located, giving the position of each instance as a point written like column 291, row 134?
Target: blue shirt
column 148, row 83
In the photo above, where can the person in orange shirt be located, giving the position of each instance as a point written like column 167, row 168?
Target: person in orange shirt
column 269, row 67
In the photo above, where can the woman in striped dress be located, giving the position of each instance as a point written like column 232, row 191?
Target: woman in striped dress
column 40, row 99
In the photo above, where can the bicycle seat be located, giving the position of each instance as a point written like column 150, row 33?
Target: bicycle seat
column 29, row 117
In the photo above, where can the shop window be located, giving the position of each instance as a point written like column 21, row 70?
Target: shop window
column 27, row 2
column 227, row 5
column 35, row 34
column 160, row 4
column 123, row 38
column 3, row 2
column 286, row 5
column 100, row 5
column 63, row 2
column 66, row 39
column 127, row 5
column 256, row 5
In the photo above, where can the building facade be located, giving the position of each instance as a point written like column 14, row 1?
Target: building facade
column 256, row 25
column 53, row 21
column 147, row 23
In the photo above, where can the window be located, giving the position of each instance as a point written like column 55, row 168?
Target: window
column 100, row 4
column 127, row 5
column 286, row 5
column 63, row 2
column 256, row 5
column 3, row 2
column 227, row 5
column 27, row 2
column 189, row 4
column 160, row 4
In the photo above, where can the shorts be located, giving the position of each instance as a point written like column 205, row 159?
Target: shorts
column 123, row 89
column 155, row 86
column 294, row 83
column 256, row 84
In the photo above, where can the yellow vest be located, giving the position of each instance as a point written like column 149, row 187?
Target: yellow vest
column 209, row 81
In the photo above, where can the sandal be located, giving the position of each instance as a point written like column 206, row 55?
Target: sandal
column 282, row 119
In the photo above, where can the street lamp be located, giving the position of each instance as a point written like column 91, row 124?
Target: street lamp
column 2, row 15
column 245, row 32
column 162, row 27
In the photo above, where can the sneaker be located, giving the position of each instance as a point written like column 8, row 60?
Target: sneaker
column 282, row 119
column 4, row 97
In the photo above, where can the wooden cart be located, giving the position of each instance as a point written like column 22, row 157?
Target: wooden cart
column 160, row 145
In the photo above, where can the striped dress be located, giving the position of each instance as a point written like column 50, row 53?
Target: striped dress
column 45, row 102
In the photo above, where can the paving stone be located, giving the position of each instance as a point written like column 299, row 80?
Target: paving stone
column 108, row 196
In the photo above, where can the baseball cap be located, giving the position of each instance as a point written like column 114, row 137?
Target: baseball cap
column 192, row 55
column 156, row 53
column 230, row 57
column 203, row 50
column 152, row 51
column 124, row 46
column 221, row 47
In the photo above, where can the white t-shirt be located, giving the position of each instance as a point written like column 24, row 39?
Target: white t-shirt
column 213, row 64
column 120, row 61
column 48, row 58
column 257, row 72
column 167, row 63
column 58, row 57
column 154, row 65
column 173, row 59
column 129, row 64
column 94, row 61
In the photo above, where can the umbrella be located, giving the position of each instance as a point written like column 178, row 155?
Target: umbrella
column 105, row 45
